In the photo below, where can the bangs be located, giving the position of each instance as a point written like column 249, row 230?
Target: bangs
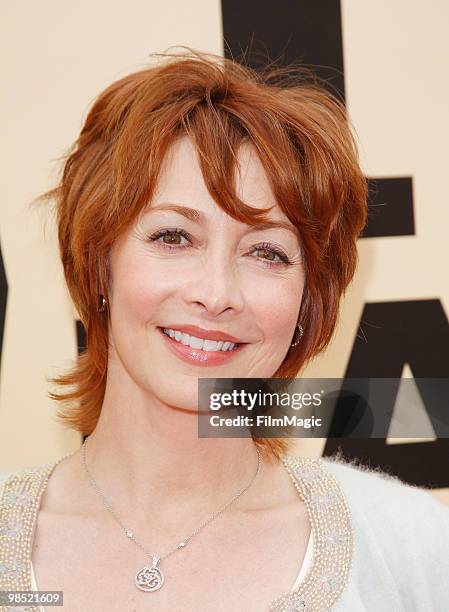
column 299, row 133
column 304, row 141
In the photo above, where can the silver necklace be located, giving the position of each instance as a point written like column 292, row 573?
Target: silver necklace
column 151, row 578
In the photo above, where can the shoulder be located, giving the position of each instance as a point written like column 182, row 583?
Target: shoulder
column 21, row 483
column 7, row 496
column 25, row 485
column 382, row 495
column 398, row 527
column 3, row 477
column 21, row 472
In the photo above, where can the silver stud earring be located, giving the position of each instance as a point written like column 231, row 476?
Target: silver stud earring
column 300, row 334
column 103, row 304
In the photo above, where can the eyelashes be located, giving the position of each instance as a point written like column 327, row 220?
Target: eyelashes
column 170, row 233
column 266, row 247
column 175, row 233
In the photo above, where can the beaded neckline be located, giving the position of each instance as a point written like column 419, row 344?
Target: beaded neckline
column 325, row 501
column 19, row 506
column 331, row 525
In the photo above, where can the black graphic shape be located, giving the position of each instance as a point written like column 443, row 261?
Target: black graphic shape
column 3, row 300
column 412, row 331
column 311, row 32
column 390, row 203
column 395, row 333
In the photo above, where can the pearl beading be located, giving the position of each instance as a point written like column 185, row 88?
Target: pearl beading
column 325, row 501
column 331, row 525
column 19, row 505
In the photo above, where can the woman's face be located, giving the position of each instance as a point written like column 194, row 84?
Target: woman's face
column 205, row 269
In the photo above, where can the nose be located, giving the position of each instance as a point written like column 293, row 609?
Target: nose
column 214, row 285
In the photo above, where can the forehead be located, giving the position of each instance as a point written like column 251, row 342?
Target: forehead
column 181, row 179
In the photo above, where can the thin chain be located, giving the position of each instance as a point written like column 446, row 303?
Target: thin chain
column 184, row 542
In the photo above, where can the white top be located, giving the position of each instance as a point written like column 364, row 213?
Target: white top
column 399, row 547
column 401, row 542
column 307, row 562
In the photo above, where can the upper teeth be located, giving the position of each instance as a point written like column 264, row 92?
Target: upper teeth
column 199, row 343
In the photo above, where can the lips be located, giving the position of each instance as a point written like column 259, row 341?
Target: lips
column 200, row 357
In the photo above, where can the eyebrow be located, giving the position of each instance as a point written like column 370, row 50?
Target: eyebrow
column 198, row 217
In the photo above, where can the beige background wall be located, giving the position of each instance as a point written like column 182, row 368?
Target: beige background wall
column 57, row 56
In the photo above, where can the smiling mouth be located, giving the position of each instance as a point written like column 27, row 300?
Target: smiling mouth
column 200, row 344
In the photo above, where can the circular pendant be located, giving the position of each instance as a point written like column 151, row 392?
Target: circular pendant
column 150, row 578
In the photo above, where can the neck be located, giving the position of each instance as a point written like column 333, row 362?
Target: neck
column 148, row 461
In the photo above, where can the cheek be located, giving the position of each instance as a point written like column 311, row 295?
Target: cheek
column 276, row 306
column 139, row 289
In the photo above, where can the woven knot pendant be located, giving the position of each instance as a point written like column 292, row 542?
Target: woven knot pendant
column 150, row 578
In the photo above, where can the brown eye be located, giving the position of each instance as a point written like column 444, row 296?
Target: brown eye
column 171, row 238
column 267, row 254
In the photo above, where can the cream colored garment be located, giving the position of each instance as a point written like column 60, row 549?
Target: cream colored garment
column 399, row 556
column 401, row 544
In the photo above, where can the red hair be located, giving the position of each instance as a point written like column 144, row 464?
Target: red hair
column 304, row 140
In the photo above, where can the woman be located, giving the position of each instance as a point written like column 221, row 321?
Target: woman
column 208, row 219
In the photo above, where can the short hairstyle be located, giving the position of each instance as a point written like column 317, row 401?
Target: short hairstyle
column 305, row 142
